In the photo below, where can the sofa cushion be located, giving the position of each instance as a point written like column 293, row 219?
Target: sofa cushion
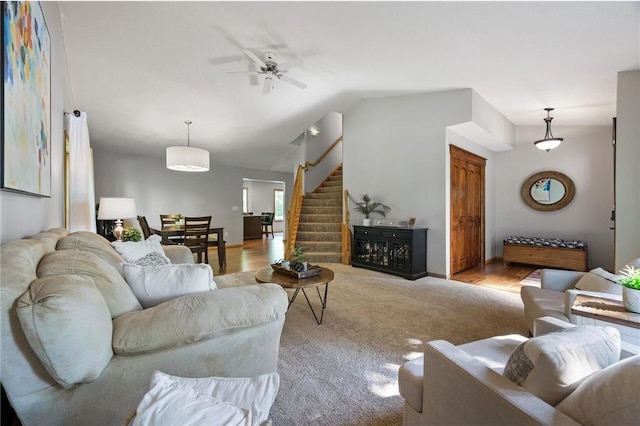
column 94, row 243
column 539, row 302
column 68, row 325
column 608, row 397
column 134, row 250
column 198, row 316
column 601, row 281
column 155, row 285
column 551, row 366
column 109, row 281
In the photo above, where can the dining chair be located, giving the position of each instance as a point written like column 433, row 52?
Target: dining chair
column 172, row 220
column 144, row 225
column 267, row 221
column 196, row 236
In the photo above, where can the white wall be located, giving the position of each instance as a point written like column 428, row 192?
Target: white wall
column 394, row 149
column 261, row 199
column 158, row 190
column 627, row 241
column 330, row 128
column 586, row 156
column 25, row 215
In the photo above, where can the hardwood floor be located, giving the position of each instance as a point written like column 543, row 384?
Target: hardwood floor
column 253, row 255
column 257, row 254
column 496, row 275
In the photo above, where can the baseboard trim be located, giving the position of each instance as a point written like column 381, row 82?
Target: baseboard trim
column 493, row 260
column 432, row 274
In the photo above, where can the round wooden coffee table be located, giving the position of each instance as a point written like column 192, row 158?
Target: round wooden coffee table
column 268, row 275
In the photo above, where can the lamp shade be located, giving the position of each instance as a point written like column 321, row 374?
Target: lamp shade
column 548, row 144
column 187, row 159
column 116, row 208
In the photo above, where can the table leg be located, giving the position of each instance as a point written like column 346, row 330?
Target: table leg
column 323, row 302
column 222, row 252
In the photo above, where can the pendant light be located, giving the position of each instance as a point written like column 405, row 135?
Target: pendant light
column 187, row 158
column 548, row 142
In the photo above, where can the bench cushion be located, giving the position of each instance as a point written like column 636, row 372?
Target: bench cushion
column 545, row 242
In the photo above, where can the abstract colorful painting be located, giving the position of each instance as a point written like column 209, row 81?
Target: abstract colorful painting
column 541, row 189
column 26, row 99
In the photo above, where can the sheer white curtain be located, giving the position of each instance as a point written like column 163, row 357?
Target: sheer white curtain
column 80, row 185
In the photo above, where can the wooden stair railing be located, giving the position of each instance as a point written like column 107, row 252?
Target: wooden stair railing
column 346, row 232
column 293, row 214
column 295, row 206
column 309, row 164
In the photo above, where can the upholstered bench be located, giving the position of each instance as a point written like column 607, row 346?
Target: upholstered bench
column 549, row 252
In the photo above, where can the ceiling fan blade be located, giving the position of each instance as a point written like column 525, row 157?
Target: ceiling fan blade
column 255, row 59
column 292, row 81
column 293, row 63
column 244, row 72
column 266, row 89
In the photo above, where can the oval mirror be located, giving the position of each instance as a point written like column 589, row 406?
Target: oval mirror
column 548, row 191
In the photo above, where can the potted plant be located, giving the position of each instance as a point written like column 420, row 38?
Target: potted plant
column 298, row 259
column 366, row 206
column 630, row 282
column 131, row 234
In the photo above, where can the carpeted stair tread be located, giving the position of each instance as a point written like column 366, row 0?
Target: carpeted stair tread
column 320, row 228
column 321, row 218
column 319, row 236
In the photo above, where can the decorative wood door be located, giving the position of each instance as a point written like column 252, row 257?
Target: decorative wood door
column 467, row 209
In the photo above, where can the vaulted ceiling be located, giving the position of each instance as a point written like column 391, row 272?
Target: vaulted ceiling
column 140, row 69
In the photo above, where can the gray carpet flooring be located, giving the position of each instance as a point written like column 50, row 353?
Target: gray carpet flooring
column 344, row 372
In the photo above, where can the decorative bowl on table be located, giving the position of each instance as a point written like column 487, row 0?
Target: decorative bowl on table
column 311, row 271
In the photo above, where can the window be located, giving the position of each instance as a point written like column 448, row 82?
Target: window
column 245, row 200
column 278, row 204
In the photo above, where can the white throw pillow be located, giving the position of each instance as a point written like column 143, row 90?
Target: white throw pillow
column 608, row 397
column 68, row 325
column 551, row 366
column 132, row 251
column 253, row 396
column 154, row 285
column 601, row 281
column 181, row 405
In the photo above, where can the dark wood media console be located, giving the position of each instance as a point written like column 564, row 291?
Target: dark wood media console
column 398, row 251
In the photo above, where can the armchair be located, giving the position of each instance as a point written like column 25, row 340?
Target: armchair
column 558, row 292
column 464, row 385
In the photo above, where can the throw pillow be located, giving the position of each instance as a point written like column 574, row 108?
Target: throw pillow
column 68, row 325
column 153, row 259
column 132, row 250
column 551, row 366
column 181, row 405
column 154, row 285
column 599, row 280
column 254, row 395
column 608, row 397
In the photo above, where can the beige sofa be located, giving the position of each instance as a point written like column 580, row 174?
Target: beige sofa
column 112, row 345
column 464, row 385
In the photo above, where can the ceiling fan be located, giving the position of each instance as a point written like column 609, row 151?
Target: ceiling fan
column 271, row 70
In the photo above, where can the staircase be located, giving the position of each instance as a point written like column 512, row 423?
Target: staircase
column 319, row 231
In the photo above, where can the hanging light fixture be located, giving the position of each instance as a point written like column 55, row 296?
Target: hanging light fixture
column 187, row 158
column 548, row 142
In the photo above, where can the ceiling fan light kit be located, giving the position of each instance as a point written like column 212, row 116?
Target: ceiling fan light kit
column 187, row 158
column 548, row 142
column 271, row 71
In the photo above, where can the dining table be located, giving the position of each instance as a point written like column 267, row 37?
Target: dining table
column 177, row 230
